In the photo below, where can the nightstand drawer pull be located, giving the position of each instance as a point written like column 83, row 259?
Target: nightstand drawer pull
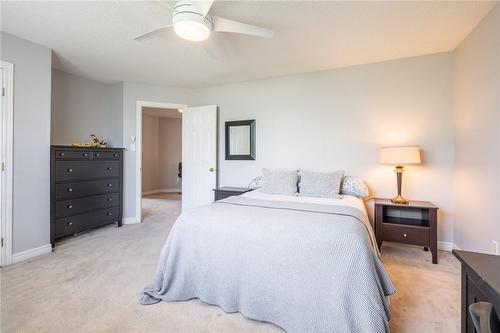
column 405, row 235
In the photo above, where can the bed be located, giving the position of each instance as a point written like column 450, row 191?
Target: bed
column 304, row 264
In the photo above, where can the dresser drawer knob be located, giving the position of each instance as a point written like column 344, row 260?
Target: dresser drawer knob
column 70, row 206
column 109, row 185
column 70, row 189
column 109, row 199
column 404, row 235
column 85, row 154
column 70, row 224
column 109, row 168
column 97, row 154
column 115, row 155
column 70, row 170
column 61, row 154
column 109, row 214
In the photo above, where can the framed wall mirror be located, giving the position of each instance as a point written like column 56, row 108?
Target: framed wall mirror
column 240, row 140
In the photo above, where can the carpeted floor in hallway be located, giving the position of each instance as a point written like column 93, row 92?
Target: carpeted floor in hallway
column 91, row 284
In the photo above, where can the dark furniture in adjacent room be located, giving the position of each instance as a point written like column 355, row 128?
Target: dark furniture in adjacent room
column 224, row 192
column 86, row 189
column 414, row 223
column 480, row 283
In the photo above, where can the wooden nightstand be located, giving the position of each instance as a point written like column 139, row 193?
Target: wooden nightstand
column 224, row 192
column 414, row 224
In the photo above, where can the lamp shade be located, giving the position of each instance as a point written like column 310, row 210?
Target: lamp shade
column 399, row 155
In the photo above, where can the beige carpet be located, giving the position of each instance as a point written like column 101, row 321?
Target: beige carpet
column 91, row 284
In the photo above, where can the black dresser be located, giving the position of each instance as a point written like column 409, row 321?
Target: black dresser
column 86, row 189
column 480, row 283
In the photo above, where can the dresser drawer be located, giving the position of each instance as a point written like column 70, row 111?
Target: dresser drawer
column 83, row 189
column 79, row 170
column 68, row 155
column 405, row 234
column 77, row 206
column 106, row 155
column 77, row 223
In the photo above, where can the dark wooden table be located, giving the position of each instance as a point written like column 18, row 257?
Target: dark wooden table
column 480, row 283
column 414, row 223
column 227, row 191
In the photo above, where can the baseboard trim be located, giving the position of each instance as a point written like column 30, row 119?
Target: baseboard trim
column 446, row 246
column 163, row 190
column 130, row 220
column 28, row 254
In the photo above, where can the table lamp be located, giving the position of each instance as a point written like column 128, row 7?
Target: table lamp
column 399, row 156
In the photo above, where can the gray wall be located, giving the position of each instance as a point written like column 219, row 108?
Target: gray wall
column 150, row 153
column 477, row 136
column 161, row 153
column 338, row 119
column 32, row 85
column 170, row 148
column 82, row 106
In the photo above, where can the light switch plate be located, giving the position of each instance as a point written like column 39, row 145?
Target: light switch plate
column 494, row 247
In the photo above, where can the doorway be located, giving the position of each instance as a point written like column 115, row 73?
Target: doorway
column 199, row 154
column 6, row 169
column 161, row 160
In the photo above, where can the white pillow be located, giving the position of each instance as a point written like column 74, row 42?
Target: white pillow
column 354, row 186
column 320, row 184
column 279, row 182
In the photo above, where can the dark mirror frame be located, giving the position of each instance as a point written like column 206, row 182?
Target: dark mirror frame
column 250, row 123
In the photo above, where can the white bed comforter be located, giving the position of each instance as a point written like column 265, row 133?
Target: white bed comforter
column 304, row 266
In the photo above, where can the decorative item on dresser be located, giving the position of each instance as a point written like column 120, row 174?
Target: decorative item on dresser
column 480, row 292
column 225, row 192
column 86, row 189
column 414, row 223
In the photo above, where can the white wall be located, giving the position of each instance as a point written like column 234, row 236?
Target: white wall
column 81, row 107
column 339, row 119
column 32, row 85
column 477, row 136
column 132, row 93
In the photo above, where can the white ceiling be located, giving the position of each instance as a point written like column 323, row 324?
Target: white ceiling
column 95, row 39
column 162, row 113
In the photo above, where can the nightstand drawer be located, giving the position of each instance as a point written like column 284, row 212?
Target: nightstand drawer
column 405, row 234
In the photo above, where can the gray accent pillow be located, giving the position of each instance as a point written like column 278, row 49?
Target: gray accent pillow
column 255, row 183
column 354, row 186
column 320, row 184
column 279, row 181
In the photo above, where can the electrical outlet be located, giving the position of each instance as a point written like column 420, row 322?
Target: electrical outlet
column 494, row 247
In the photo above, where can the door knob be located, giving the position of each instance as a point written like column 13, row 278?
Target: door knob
column 211, row 169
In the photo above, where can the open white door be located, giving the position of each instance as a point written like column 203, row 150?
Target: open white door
column 6, row 175
column 199, row 156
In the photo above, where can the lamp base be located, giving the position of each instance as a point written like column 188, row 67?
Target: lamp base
column 399, row 200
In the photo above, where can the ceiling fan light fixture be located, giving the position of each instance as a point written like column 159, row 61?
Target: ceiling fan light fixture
column 192, row 31
column 192, row 26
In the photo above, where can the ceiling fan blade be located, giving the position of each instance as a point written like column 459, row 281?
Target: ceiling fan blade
column 152, row 32
column 202, row 6
column 226, row 25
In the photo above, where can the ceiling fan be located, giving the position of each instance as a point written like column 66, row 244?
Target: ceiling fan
column 192, row 21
